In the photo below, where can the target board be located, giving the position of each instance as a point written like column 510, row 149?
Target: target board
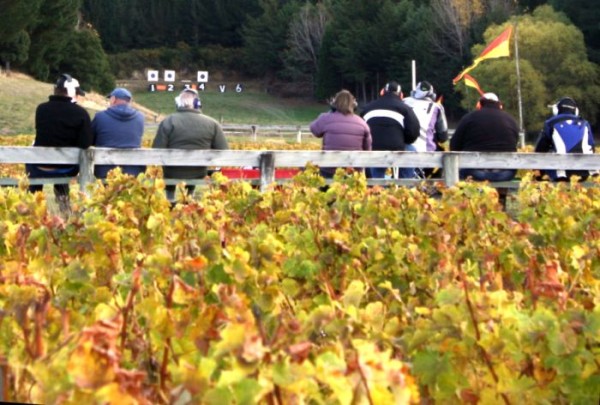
column 169, row 82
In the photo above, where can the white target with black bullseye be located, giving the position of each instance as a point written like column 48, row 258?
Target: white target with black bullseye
column 202, row 76
column 153, row 75
column 169, row 75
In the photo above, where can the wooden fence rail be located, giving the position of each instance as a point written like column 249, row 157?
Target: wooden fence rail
column 253, row 130
column 267, row 161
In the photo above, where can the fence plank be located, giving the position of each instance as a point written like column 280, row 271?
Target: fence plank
column 450, row 161
column 267, row 170
column 451, row 168
column 38, row 154
column 86, row 168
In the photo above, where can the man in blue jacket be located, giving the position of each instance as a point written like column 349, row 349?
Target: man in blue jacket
column 566, row 132
column 119, row 126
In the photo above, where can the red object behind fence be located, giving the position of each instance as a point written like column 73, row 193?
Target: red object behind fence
column 251, row 174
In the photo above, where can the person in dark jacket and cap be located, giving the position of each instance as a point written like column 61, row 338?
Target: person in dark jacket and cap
column 60, row 122
column 393, row 124
column 487, row 129
column 119, row 126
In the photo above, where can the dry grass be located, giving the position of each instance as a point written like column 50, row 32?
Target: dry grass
column 20, row 95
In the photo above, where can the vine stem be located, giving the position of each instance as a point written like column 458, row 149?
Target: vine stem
column 129, row 305
column 363, row 379
column 165, row 360
column 484, row 354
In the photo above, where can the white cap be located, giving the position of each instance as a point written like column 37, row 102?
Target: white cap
column 73, row 88
column 491, row 97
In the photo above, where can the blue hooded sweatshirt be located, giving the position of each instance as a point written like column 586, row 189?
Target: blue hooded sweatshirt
column 120, row 126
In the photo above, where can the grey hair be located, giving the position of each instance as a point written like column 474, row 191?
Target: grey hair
column 186, row 99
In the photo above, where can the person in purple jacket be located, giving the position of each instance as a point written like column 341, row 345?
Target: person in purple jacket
column 341, row 129
column 119, row 126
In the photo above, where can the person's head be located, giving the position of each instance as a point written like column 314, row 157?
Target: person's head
column 344, row 102
column 565, row 105
column 68, row 86
column 423, row 90
column 489, row 100
column 188, row 98
column 392, row 87
column 120, row 95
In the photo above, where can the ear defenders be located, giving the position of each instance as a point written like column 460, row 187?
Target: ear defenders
column 565, row 103
column 197, row 104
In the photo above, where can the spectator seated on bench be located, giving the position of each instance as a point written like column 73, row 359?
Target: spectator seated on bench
column 487, row 129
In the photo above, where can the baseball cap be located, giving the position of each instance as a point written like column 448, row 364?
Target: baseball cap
column 71, row 84
column 120, row 93
column 490, row 97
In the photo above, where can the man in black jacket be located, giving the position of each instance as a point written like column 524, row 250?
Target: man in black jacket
column 60, row 122
column 487, row 129
column 393, row 124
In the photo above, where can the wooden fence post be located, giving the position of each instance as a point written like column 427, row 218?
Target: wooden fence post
column 254, row 132
column 4, row 383
column 86, row 168
column 451, row 162
column 267, row 170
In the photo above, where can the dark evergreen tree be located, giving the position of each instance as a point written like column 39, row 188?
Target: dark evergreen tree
column 328, row 80
column 360, row 47
column 15, row 50
column 50, row 37
column 585, row 14
column 88, row 62
column 222, row 20
column 17, row 15
column 265, row 37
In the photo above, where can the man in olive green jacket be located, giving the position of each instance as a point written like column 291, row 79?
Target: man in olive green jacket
column 188, row 128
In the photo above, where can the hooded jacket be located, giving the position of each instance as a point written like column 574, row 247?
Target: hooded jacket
column 119, row 126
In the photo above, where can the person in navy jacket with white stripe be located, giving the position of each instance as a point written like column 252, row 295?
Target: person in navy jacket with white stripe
column 566, row 132
column 394, row 126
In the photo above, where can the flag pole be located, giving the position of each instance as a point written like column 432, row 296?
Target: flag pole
column 520, row 101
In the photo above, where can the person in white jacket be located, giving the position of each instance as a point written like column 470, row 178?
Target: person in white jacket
column 432, row 120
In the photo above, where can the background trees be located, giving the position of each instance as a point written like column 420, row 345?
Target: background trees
column 315, row 47
column 17, row 16
column 553, row 62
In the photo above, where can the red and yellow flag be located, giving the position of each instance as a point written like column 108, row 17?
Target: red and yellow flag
column 498, row 48
column 471, row 82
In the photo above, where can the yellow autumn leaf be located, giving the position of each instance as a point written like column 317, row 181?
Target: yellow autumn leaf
column 104, row 311
column 89, row 370
column 112, row 394
column 354, row 293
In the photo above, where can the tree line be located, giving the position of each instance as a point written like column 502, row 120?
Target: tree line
column 314, row 48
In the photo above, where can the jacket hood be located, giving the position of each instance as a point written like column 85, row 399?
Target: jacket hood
column 122, row 112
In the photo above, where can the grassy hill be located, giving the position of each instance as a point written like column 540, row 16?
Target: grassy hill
column 20, row 94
